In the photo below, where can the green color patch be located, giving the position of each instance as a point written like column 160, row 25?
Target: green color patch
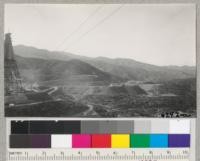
column 140, row 140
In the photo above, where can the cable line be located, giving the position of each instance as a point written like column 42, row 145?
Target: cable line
column 80, row 26
column 96, row 25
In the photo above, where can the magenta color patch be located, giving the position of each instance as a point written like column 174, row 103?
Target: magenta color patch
column 81, row 141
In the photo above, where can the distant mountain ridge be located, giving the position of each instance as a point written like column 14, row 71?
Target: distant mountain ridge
column 33, row 52
column 119, row 68
column 39, row 70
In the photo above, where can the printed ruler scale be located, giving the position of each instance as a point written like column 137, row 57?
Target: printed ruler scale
column 101, row 155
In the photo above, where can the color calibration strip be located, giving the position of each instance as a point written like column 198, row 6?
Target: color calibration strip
column 100, row 134
column 100, row 141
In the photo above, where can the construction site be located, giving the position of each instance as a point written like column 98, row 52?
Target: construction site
column 39, row 87
column 15, row 92
column 25, row 99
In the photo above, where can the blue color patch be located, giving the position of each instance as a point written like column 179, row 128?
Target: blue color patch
column 159, row 140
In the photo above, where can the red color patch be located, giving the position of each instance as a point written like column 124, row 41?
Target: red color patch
column 101, row 141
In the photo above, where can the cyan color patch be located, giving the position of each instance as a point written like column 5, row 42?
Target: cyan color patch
column 158, row 140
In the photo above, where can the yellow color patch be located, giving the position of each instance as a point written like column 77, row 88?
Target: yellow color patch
column 120, row 140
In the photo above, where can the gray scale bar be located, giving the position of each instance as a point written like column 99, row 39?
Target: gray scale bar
column 107, row 127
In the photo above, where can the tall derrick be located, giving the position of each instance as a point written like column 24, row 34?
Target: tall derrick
column 12, row 78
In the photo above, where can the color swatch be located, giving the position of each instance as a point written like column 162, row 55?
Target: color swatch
column 179, row 126
column 159, row 140
column 20, row 141
column 179, row 140
column 40, row 141
column 54, row 127
column 120, row 141
column 101, row 141
column 61, row 141
column 140, row 140
column 81, row 141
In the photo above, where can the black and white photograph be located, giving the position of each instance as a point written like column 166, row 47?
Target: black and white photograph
column 100, row 60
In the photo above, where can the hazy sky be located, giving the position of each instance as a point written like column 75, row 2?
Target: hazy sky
column 155, row 34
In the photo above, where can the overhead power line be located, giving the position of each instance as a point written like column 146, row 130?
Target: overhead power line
column 42, row 16
column 96, row 25
column 68, row 36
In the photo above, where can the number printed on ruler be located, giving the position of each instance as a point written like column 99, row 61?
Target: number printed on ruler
column 140, row 154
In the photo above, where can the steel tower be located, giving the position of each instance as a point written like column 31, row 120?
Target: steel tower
column 12, row 78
